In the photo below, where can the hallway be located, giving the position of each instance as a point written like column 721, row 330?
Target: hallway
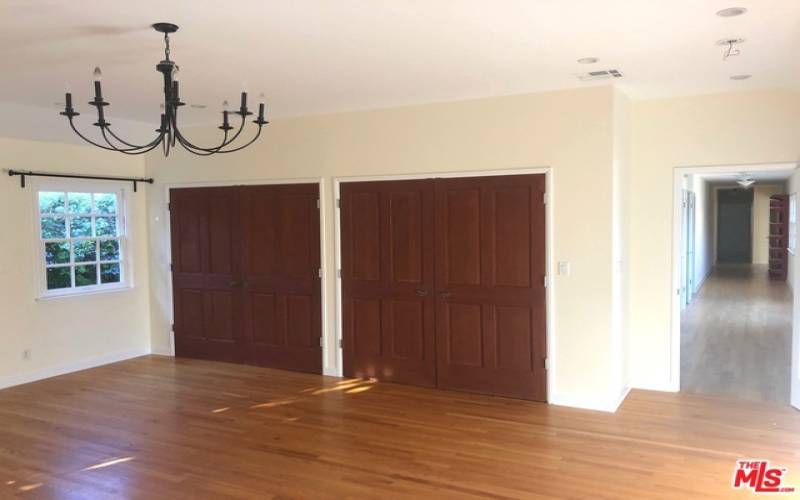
column 736, row 336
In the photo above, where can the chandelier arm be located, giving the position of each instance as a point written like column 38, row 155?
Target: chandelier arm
column 225, row 141
column 198, row 151
column 254, row 139
column 74, row 129
column 115, row 136
column 131, row 151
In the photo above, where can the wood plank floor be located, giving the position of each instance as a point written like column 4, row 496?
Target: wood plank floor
column 736, row 336
column 156, row 427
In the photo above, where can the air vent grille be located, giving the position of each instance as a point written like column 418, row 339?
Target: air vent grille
column 600, row 75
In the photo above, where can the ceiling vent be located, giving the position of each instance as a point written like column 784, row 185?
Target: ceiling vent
column 599, row 75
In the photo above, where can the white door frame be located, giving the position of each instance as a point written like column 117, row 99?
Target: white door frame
column 550, row 291
column 320, row 181
column 674, row 351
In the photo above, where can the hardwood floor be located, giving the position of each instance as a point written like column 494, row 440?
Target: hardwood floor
column 736, row 336
column 156, row 427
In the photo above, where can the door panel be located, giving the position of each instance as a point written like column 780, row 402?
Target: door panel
column 205, row 268
column 387, row 281
column 490, row 268
column 280, row 276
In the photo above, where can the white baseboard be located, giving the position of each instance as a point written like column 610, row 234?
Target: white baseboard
column 82, row 364
column 656, row 386
column 162, row 351
column 609, row 405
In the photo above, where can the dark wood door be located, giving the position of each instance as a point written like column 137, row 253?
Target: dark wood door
column 245, row 271
column 205, row 272
column 281, row 276
column 387, row 281
column 490, row 271
column 443, row 283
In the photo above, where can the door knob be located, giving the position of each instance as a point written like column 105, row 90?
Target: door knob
column 422, row 293
column 444, row 294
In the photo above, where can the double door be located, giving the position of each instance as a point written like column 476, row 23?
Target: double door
column 245, row 274
column 443, row 283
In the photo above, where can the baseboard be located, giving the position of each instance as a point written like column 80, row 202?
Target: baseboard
column 608, row 405
column 82, row 364
column 162, row 351
column 656, row 386
column 702, row 281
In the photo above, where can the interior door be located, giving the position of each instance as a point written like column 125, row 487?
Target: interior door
column 281, row 295
column 490, row 271
column 387, row 281
column 205, row 271
column 795, row 361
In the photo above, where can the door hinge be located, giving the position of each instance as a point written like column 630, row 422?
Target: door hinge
column 339, row 273
column 321, row 342
column 546, row 364
column 544, row 280
column 171, row 267
column 338, row 203
column 317, row 203
column 341, row 343
column 172, row 327
column 544, row 198
column 169, row 207
column 319, row 272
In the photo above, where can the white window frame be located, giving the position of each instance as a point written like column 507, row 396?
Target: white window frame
column 123, row 234
column 791, row 240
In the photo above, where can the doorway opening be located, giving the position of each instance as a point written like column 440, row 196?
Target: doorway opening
column 734, row 275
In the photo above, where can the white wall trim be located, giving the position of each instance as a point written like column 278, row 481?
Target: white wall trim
column 673, row 352
column 549, row 223
column 609, row 405
column 329, row 341
column 83, row 364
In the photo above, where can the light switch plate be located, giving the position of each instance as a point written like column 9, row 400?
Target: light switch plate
column 563, row 268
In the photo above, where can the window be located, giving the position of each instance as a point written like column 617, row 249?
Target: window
column 792, row 223
column 82, row 240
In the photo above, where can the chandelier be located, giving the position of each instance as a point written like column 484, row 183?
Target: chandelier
column 168, row 133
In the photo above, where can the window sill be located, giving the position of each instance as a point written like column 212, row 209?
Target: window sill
column 86, row 293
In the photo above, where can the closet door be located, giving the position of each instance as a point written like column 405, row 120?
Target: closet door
column 206, row 241
column 281, row 276
column 387, row 281
column 490, row 270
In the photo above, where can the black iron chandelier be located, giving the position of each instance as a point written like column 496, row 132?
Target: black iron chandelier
column 168, row 133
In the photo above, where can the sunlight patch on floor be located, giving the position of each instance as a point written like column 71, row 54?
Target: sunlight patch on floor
column 108, row 463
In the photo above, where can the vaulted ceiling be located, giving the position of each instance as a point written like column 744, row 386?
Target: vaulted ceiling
column 313, row 56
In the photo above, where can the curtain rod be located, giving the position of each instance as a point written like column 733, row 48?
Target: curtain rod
column 31, row 173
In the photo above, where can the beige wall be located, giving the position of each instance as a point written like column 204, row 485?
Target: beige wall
column 64, row 333
column 569, row 131
column 724, row 129
column 761, row 194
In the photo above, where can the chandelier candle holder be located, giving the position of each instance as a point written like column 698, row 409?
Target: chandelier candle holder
column 168, row 133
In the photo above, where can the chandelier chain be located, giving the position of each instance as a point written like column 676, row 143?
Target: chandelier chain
column 166, row 46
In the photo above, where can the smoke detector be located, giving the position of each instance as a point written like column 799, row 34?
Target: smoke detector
column 599, row 75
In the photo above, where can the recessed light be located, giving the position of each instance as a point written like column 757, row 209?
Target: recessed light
column 198, row 106
column 731, row 12
column 740, row 77
column 588, row 60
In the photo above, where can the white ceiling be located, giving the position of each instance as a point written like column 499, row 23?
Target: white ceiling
column 760, row 176
column 313, row 56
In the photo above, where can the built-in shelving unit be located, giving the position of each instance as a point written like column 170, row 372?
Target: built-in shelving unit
column 778, row 236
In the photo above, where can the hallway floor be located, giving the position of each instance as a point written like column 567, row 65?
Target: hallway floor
column 736, row 336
